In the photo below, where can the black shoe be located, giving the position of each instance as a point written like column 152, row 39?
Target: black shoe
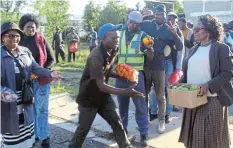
column 37, row 139
column 153, row 117
column 45, row 143
column 144, row 140
column 167, row 119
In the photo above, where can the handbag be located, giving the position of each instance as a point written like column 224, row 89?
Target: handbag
column 73, row 47
column 27, row 92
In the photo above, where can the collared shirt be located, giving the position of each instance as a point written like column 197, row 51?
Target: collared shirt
column 97, row 68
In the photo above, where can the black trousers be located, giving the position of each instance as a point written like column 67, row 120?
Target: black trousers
column 69, row 56
column 59, row 50
column 108, row 112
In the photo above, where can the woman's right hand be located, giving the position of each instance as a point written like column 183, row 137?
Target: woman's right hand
column 6, row 96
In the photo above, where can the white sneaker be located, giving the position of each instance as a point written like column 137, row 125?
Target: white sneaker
column 161, row 126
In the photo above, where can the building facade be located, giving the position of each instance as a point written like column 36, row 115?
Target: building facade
column 223, row 9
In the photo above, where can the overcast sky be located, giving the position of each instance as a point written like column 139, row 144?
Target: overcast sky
column 77, row 6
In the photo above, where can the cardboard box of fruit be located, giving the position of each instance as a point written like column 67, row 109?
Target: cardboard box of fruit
column 186, row 95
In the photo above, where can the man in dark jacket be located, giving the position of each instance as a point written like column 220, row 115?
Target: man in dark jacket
column 57, row 44
column 164, row 35
column 173, row 62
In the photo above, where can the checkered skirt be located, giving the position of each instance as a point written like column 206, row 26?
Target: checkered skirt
column 206, row 126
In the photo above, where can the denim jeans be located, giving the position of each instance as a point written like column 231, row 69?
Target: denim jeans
column 140, row 104
column 41, row 105
column 153, row 98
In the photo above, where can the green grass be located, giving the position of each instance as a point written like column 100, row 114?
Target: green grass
column 80, row 61
column 72, row 73
column 70, row 85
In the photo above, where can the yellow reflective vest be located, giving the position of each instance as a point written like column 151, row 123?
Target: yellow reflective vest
column 131, row 54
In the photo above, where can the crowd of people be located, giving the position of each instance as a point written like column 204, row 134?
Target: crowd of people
column 176, row 46
column 26, row 59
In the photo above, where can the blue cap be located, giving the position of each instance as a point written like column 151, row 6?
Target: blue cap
column 107, row 28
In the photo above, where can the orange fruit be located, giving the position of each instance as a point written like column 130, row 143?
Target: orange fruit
column 33, row 76
column 120, row 68
column 120, row 74
column 123, row 71
column 117, row 69
column 126, row 74
column 147, row 40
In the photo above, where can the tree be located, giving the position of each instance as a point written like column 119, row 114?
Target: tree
column 92, row 14
column 10, row 10
column 179, row 9
column 114, row 13
column 55, row 13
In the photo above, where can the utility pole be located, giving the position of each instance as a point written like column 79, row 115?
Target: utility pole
column 203, row 6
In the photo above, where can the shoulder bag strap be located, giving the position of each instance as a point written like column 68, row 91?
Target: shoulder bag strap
column 19, row 66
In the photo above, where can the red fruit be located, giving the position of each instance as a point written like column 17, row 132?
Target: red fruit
column 175, row 77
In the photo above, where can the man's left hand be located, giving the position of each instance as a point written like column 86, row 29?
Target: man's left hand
column 172, row 29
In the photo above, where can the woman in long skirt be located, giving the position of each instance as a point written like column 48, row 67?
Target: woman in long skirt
column 207, row 126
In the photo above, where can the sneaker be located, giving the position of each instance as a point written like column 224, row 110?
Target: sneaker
column 167, row 119
column 45, row 143
column 153, row 117
column 161, row 126
column 144, row 140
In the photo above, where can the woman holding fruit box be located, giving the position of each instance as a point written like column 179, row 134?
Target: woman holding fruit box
column 207, row 126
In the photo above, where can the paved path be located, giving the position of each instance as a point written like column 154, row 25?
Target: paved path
column 64, row 114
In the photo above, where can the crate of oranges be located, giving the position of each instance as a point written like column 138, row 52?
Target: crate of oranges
column 127, row 72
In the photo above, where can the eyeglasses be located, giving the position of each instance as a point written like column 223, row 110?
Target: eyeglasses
column 196, row 30
column 12, row 36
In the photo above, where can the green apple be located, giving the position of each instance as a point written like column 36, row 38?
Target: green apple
column 194, row 87
column 184, row 88
column 174, row 87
